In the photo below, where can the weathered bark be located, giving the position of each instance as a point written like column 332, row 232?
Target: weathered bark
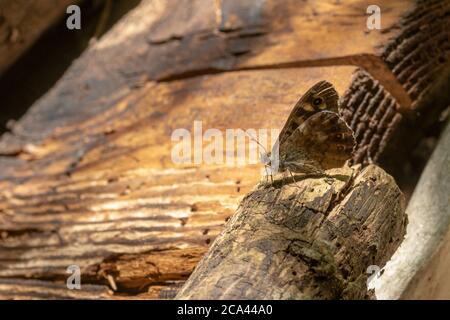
column 308, row 239
column 419, row 269
column 418, row 57
column 87, row 177
column 22, row 22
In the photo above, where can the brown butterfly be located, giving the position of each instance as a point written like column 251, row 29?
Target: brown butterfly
column 315, row 138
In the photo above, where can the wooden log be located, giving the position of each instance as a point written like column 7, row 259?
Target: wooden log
column 22, row 22
column 86, row 175
column 418, row 270
column 309, row 239
column 261, row 35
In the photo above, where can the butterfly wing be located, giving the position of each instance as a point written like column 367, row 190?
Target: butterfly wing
column 323, row 141
column 322, row 96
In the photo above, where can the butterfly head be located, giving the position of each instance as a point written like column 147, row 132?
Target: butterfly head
column 272, row 162
column 265, row 158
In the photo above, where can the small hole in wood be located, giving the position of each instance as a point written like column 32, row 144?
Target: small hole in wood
column 183, row 221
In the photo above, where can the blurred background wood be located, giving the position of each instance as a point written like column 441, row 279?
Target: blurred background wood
column 86, row 176
column 22, row 22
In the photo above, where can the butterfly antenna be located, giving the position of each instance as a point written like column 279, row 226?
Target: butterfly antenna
column 251, row 137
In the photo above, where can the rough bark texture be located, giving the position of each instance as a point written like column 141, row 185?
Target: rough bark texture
column 22, row 22
column 86, row 175
column 309, row 239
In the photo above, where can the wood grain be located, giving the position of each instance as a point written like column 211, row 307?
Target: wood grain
column 86, row 175
column 22, row 22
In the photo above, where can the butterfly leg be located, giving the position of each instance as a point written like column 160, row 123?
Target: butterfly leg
column 292, row 176
column 267, row 174
column 283, row 177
